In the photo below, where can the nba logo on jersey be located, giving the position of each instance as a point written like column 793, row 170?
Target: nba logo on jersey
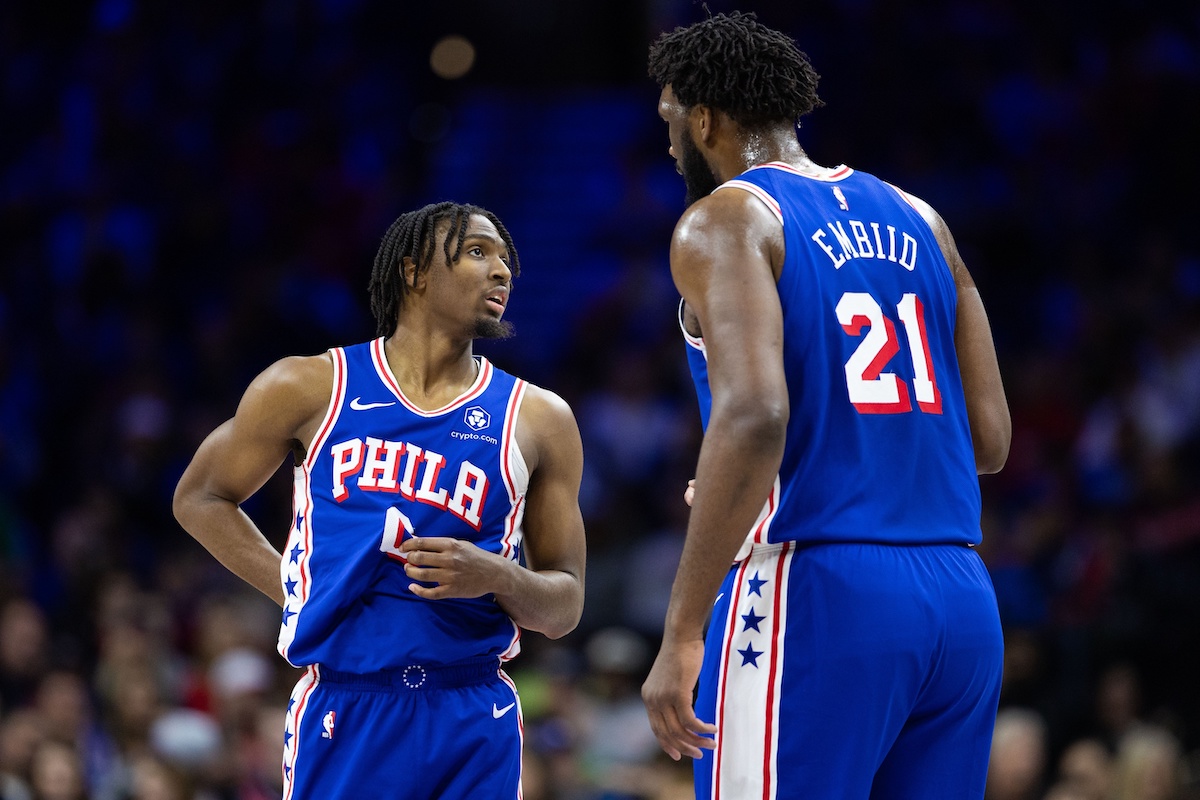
column 477, row 419
column 327, row 723
column 841, row 198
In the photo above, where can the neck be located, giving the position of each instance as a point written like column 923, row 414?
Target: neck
column 430, row 366
column 751, row 148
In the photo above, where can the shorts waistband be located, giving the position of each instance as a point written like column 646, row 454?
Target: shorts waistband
column 415, row 677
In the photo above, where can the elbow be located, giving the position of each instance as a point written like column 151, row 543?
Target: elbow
column 186, row 504
column 560, row 628
column 991, row 462
column 759, row 423
column 991, row 450
column 180, row 506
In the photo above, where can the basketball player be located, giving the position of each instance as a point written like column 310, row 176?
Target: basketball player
column 851, row 394
column 435, row 516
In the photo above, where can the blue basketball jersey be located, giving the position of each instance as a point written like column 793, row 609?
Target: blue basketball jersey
column 878, row 443
column 381, row 470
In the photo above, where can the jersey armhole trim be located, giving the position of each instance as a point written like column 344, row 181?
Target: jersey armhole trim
column 904, row 196
column 337, row 396
column 513, row 465
column 692, row 341
column 762, row 194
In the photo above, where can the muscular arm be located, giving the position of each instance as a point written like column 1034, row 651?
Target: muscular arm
column 548, row 595
column 987, row 407
column 278, row 410
column 723, row 259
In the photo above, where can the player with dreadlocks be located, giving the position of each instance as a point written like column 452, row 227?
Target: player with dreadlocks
column 412, row 235
column 435, row 515
column 850, row 394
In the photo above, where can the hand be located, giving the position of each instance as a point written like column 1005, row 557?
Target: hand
column 667, row 694
column 459, row 568
column 689, row 494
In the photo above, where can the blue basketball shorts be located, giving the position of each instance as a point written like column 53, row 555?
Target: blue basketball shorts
column 416, row 733
column 851, row 671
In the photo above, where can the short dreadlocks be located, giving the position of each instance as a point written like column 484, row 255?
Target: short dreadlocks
column 735, row 64
column 413, row 235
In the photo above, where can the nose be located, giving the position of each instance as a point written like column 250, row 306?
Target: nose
column 500, row 271
column 671, row 150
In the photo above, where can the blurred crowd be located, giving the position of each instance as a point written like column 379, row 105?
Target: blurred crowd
column 188, row 194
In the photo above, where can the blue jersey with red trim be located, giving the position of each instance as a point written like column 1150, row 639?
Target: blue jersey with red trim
column 878, row 443
column 380, row 470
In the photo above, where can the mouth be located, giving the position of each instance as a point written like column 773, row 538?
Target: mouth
column 497, row 299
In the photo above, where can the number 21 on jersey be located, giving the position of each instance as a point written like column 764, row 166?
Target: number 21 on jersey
column 871, row 390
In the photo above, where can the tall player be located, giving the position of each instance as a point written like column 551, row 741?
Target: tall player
column 435, row 515
column 851, row 394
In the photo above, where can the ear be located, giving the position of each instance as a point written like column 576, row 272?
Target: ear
column 413, row 279
column 704, row 124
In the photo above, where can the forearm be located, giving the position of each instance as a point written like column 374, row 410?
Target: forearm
column 225, row 531
column 548, row 601
column 737, row 468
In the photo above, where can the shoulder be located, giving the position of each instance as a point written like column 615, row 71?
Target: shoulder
column 729, row 226
column 728, row 211
column 297, row 375
column 293, row 388
column 547, row 431
column 932, row 218
column 546, row 411
column 941, row 232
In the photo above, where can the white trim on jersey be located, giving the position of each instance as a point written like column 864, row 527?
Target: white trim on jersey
column 756, row 190
column 302, row 504
column 747, row 740
column 826, row 174
column 515, row 473
column 337, row 396
column 905, row 196
column 760, row 530
column 693, row 341
column 304, row 689
column 384, row 371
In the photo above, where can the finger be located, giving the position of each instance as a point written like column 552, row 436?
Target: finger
column 658, row 725
column 692, row 723
column 681, row 739
column 417, row 573
column 432, row 544
column 428, row 592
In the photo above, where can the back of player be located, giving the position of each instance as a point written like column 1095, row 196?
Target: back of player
column 852, row 621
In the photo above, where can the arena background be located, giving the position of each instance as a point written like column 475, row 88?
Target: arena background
column 191, row 191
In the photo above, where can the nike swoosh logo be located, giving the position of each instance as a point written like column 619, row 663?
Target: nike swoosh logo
column 358, row 405
column 497, row 713
column 722, row 594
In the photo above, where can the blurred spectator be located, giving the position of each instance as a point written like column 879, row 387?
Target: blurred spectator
column 617, row 746
column 1085, row 770
column 56, row 772
column 1018, row 762
column 1148, row 765
column 24, row 646
column 20, row 735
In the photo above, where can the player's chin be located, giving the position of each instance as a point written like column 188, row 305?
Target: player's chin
column 492, row 328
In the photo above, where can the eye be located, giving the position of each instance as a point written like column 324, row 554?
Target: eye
column 476, row 251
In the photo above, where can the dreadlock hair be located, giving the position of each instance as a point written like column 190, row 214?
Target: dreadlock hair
column 735, row 64
column 413, row 235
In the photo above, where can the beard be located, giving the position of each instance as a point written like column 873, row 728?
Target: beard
column 698, row 177
column 491, row 328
